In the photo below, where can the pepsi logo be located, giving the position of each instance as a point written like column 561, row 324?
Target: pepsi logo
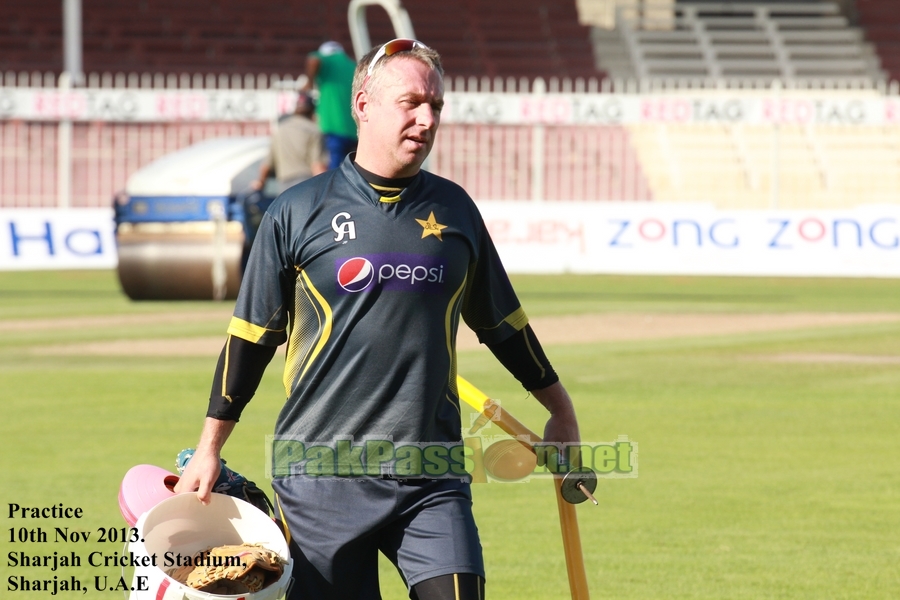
column 356, row 274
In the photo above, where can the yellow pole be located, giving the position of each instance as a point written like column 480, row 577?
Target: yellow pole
column 568, row 519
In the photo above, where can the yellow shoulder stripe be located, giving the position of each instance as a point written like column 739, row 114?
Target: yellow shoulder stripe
column 518, row 319
column 246, row 331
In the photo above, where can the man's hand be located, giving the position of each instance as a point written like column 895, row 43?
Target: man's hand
column 562, row 426
column 203, row 469
column 562, row 429
column 199, row 475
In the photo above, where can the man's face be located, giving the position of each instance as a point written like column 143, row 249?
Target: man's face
column 399, row 120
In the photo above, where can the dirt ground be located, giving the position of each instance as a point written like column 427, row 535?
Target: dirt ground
column 573, row 329
column 220, row 315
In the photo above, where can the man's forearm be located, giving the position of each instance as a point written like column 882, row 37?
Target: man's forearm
column 239, row 370
column 214, row 435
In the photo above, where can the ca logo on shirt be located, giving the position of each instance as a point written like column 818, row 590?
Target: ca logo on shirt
column 343, row 227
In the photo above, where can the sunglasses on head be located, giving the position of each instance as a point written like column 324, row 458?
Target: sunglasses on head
column 393, row 47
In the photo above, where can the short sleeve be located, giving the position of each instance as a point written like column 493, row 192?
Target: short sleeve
column 261, row 310
column 490, row 306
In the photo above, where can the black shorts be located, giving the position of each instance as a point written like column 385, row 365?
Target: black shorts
column 337, row 527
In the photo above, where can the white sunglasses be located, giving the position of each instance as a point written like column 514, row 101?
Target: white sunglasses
column 390, row 48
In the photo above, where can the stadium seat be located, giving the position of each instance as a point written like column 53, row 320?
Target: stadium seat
column 880, row 20
column 748, row 40
column 222, row 37
column 732, row 166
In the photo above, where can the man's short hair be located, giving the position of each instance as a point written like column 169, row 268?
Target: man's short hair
column 427, row 56
column 305, row 104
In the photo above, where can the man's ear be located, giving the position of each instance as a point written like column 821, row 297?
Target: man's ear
column 361, row 105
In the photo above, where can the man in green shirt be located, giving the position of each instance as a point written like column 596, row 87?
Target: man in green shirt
column 331, row 70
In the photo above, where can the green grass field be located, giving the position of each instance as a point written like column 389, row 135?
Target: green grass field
column 757, row 478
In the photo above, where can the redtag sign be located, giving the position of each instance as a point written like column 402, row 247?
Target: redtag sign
column 760, row 108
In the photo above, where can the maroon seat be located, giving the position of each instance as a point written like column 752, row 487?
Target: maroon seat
column 881, row 21
column 204, row 36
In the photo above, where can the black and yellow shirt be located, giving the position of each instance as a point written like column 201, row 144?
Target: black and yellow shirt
column 367, row 286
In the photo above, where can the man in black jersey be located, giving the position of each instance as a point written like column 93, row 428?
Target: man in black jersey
column 365, row 272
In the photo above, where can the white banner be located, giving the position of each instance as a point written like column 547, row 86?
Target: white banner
column 572, row 237
column 137, row 105
column 33, row 239
column 671, row 108
column 753, row 108
column 694, row 239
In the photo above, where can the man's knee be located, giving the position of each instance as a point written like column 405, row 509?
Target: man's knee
column 456, row 586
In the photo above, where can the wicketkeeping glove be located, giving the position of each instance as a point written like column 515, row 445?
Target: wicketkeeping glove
column 232, row 569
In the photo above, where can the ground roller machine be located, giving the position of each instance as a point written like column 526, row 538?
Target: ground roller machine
column 185, row 222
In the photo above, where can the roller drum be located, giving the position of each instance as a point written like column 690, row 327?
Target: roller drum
column 180, row 261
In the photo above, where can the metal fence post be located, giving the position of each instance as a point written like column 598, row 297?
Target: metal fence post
column 774, row 167
column 64, row 151
column 538, row 142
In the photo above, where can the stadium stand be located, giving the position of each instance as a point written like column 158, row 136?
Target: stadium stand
column 739, row 166
column 582, row 163
column 501, row 47
column 521, row 38
column 733, row 40
column 881, row 21
column 753, row 165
